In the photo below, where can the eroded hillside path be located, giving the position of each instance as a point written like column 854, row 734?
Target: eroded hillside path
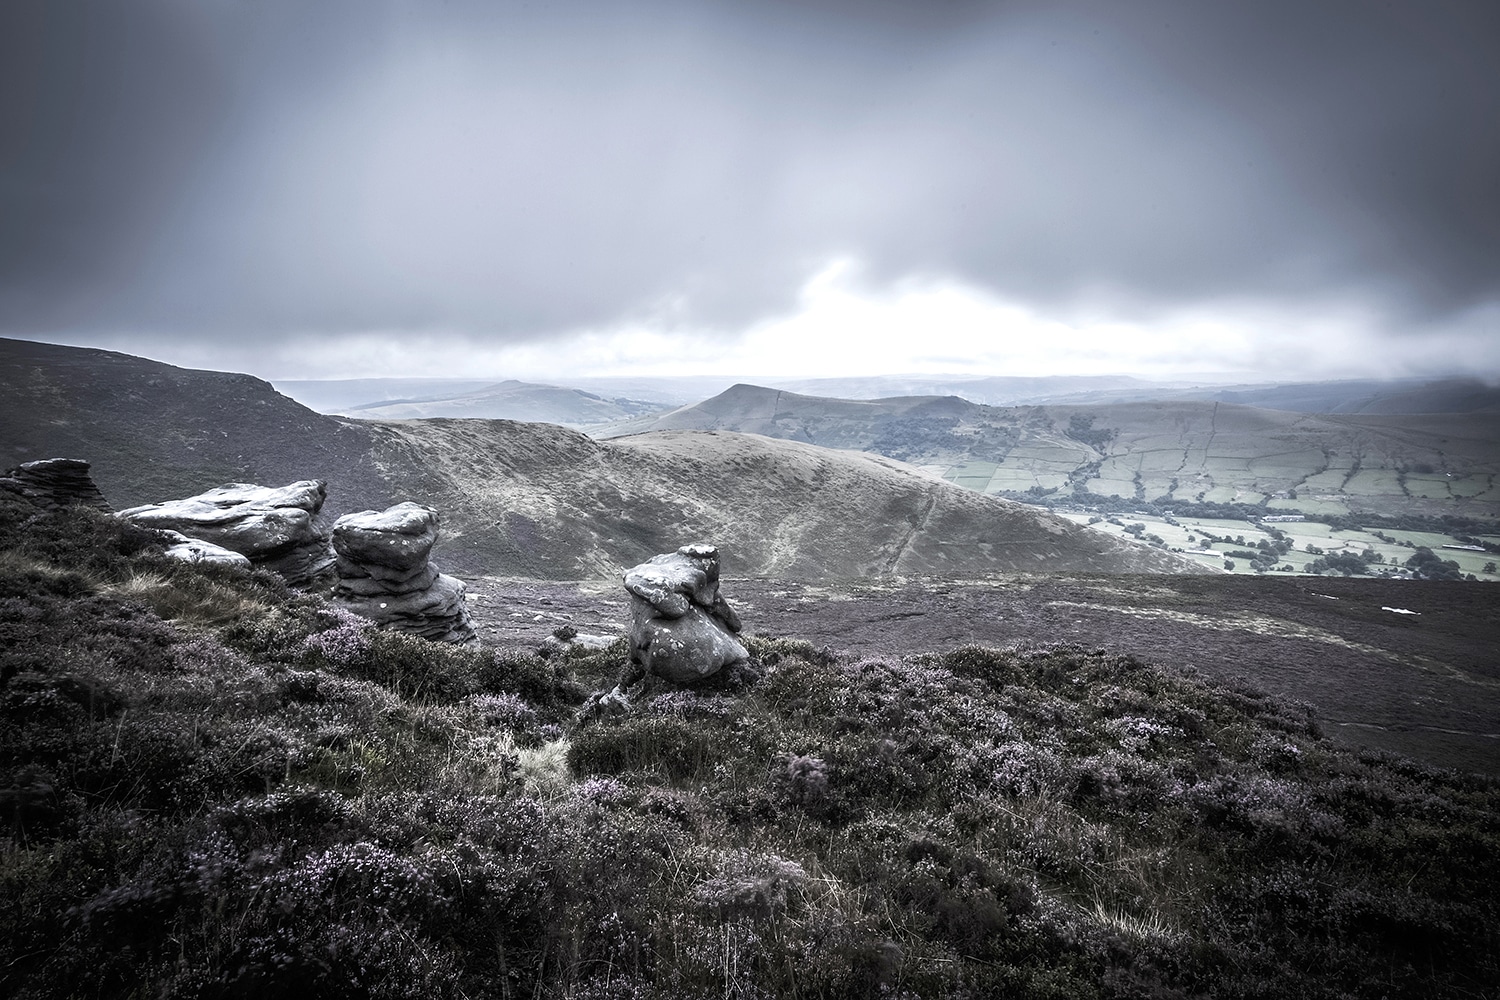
column 1426, row 685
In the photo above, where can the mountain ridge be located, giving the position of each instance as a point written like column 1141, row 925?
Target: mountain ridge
column 532, row 498
column 1445, row 394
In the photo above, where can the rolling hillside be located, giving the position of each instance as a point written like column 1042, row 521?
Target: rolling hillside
column 542, row 501
column 1178, row 452
column 533, row 499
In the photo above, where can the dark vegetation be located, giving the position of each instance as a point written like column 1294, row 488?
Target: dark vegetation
column 1081, row 428
column 212, row 787
column 1423, row 563
column 1428, row 565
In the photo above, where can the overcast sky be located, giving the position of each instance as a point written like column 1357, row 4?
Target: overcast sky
column 800, row 187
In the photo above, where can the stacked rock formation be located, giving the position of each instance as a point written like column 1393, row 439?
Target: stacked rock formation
column 385, row 574
column 55, row 482
column 273, row 527
column 684, row 630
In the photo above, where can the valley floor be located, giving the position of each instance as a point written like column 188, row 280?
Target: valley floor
column 1425, row 684
column 1226, row 542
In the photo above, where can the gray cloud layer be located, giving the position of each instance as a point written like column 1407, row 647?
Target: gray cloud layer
column 510, row 172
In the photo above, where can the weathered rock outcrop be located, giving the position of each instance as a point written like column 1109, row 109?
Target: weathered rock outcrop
column 196, row 550
column 385, row 574
column 273, row 526
column 55, row 482
column 684, row 630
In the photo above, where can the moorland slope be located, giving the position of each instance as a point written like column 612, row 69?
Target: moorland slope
column 1406, row 666
column 212, row 787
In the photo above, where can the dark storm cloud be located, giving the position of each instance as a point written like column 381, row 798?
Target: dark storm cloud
column 511, row 171
column 96, row 127
column 1382, row 117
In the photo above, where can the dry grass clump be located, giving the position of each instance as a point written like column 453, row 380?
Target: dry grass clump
column 189, row 598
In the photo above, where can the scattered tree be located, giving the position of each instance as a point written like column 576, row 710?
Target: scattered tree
column 1428, row 565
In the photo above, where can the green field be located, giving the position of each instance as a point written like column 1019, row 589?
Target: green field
column 973, row 475
column 1188, row 534
column 1124, row 488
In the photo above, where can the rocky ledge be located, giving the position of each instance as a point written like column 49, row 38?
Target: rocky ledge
column 274, row 527
column 55, row 482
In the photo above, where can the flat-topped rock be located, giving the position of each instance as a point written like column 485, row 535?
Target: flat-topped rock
column 55, row 482
column 385, row 573
column 392, row 546
column 683, row 629
column 272, row 526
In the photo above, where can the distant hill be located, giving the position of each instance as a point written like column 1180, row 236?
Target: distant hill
column 1409, row 395
column 832, row 423
column 1456, row 395
column 1180, row 451
column 992, row 390
column 513, row 400
column 533, row 499
column 335, row 396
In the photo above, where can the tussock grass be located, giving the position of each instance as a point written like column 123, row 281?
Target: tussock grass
column 544, row 770
column 1148, row 927
column 26, row 573
column 209, row 786
column 188, row 598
